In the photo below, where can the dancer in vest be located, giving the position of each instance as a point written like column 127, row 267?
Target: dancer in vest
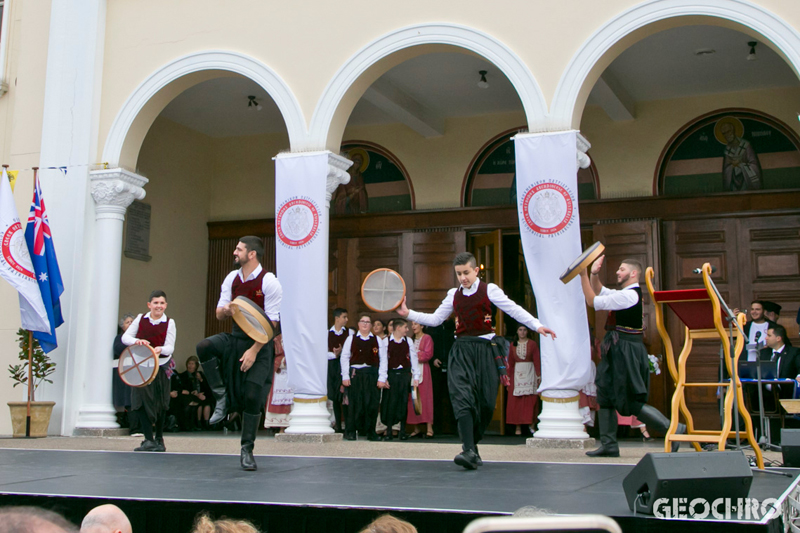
column 364, row 364
column 404, row 372
column 623, row 375
column 248, row 363
column 150, row 403
column 475, row 365
column 336, row 337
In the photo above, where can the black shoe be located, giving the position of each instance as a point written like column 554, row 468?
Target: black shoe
column 349, row 436
column 249, row 429
column 467, row 459
column 337, row 429
column 388, row 437
column 214, row 378
column 148, row 446
column 246, row 458
column 161, row 446
column 376, row 438
column 478, row 456
column 403, row 436
column 604, row 451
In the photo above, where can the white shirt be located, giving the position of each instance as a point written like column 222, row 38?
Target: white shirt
column 347, row 350
column 129, row 337
column 614, row 300
column 761, row 330
column 350, row 333
column 270, row 286
column 412, row 354
column 496, row 296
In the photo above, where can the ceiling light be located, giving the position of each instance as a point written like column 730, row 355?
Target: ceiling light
column 483, row 84
column 705, row 52
column 752, row 55
column 252, row 104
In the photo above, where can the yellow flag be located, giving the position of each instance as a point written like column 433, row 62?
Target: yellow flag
column 12, row 177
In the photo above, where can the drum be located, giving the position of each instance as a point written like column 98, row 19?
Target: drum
column 253, row 320
column 417, row 399
column 138, row 365
column 583, row 261
column 383, row 290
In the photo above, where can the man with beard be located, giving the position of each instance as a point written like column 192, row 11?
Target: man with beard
column 623, row 375
column 234, row 358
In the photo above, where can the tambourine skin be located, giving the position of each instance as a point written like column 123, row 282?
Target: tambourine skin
column 583, row 261
column 383, row 290
column 138, row 365
column 253, row 320
column 417, row 400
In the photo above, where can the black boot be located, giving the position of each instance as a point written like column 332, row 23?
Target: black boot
column 607, row 420
column 654, row 419
column 249, row 428
column 468, row 459
column 478, row 456
column 211, row 370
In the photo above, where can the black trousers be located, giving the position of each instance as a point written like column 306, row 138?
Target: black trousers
column 623, row 375
column 394, row 405
column 364, row 399
column 472, row 380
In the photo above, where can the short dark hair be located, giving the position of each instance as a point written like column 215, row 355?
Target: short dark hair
column 465, row 258
column 636, row 264
column 253, row 244
column 157, row 294
column 339, row 311
column 779, row 331
column 399, row 322
column 362, row 315
column 757, row 302
column 23, row 519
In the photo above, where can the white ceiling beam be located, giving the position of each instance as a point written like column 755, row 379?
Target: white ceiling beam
column 610, row 94
column 397, row 104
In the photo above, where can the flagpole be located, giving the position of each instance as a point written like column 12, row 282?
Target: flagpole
column 30, row 351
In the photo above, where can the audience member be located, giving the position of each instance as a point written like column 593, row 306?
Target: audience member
column 106, row 519
column 204, row 524
column 424, row 345
column 281, row 395
column 389, row 524
column 530, row 511
column 33, row 520
column 524, row 371
column 772, row 311
column 195, row 396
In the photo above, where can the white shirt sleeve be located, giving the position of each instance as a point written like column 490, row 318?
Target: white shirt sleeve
column 507, row 305
column 412, row 354
column 614, row 300
column 437, row 317
column 383, row 356
column 169, row 342
column 344, row 359
column 273, row 293
column 129, row 337
column 225, row 289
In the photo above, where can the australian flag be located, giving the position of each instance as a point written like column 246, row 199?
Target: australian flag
column 45, row 266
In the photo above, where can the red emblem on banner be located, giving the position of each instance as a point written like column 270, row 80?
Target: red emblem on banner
column 297, row 222
column 15, row 250
column 547, row 208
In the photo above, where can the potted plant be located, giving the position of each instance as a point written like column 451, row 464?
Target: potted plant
column 42, row 367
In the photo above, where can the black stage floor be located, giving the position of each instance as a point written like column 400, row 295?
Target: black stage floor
column 162, row 492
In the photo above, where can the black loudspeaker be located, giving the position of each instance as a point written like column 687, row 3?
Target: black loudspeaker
column 790, row 446
column 707, row 475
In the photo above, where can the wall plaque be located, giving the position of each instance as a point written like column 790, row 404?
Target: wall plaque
column 137, row 233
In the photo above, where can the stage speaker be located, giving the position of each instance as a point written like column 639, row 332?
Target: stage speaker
column 790, row 446
column 707, row 475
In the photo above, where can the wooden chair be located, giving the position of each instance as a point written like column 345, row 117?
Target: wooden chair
column 701, row 313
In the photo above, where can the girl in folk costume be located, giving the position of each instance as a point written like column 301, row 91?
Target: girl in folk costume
column 150, row 403
column 424, row 345
column 281, row 396
column 524, row 371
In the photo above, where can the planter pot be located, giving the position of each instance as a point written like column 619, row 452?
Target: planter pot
column 40, row 417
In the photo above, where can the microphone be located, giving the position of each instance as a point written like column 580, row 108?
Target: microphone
column 758, row 336
column 700, row 270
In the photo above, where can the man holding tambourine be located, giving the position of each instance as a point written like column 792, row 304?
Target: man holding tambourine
column 238, row 365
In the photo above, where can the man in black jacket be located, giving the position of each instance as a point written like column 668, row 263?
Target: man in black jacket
column 788, row 359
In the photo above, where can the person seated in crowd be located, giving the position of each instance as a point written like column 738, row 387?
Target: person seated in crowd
column 389, row 524
column 205, row 524
column 195, row 395
column 27, row 519
column 771, row 310
column 106, row 519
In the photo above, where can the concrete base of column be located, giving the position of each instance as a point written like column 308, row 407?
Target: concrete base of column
column 309, row 438
column 94, row 416
column 98, row 432
column 309, row 416
column 560, row 418
column 562, row 444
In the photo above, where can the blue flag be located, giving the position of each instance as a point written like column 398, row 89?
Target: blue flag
column 45, row 267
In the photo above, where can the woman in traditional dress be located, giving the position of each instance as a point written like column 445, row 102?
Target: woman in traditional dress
column 424, row 345
column 281, row 396
column 524, row 371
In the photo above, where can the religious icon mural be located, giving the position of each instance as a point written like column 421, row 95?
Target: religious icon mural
column 730, row 151
column 491, row 177
column 378, row 182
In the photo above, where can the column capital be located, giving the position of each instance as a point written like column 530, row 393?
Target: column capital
column 337, row 175
column 583, row 146
column 114, row 190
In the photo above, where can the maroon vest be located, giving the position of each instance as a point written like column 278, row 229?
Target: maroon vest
column 473, row 313
column 249, row 289
column 336, row 341
column 398, row 355
column 364, row 352
column 155, row 335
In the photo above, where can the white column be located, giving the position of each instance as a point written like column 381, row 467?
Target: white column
column 113, row 191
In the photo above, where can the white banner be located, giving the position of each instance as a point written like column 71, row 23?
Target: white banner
column 547, row 202
column 302, row 229
column 15, row 262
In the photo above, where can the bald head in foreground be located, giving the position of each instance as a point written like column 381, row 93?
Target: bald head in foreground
column 106, row 519
column 26, row 519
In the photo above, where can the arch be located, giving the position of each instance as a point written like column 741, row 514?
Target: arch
column 629, row 27
column 145, row 103
column 349, row 82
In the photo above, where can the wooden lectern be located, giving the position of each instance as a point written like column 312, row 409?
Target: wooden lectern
column 701, row 313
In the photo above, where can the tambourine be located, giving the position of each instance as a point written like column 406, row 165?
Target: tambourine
column 417, row 400
column 253, row 320
column 383, row 290
column 583, row 261
column 138, row 365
